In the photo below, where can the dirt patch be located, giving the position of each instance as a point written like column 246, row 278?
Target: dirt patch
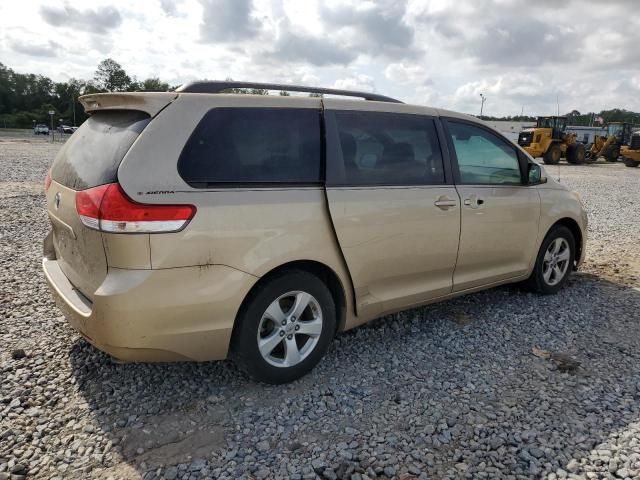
column 173, row 438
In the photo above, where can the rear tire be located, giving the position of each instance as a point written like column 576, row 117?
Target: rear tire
column 554, row 262
column 576, row 154
column 553, row 154
column 284, row 328
column 631, row 163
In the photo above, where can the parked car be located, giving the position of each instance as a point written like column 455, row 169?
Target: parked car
column 196, row 226
column 67, row 129
column 41, row 129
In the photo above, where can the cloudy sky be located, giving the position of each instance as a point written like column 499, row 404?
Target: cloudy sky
column 444, row 53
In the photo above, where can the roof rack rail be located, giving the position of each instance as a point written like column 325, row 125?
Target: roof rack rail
column 216, row 86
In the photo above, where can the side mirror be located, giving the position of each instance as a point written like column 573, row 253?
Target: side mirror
column 535, row 174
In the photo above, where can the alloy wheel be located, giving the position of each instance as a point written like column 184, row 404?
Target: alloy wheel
column 289, row 329
column 556, row 261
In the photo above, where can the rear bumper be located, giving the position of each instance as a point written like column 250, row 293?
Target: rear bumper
column 156, row 315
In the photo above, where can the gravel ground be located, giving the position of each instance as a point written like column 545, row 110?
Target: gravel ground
column 451, row 390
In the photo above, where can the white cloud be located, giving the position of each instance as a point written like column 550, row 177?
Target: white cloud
column 441, row 52
column 407, row 74
column 360, row 82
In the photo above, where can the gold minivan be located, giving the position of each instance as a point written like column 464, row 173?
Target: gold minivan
column 197, row 224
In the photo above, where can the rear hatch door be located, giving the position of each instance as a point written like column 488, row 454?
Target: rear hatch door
column 90, row 158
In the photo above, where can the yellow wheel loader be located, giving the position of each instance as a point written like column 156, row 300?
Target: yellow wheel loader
column 631, row 153
column 549, row 140
column 609, row 147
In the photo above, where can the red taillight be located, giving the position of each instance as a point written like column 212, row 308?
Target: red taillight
column 108, row 208
column 47, row 181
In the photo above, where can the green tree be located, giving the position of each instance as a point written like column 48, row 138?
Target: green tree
column 154, row 85
column 111, row 77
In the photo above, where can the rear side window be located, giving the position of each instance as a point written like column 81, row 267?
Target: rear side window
column 92, row 155
column 376, row 148
column 253, row 146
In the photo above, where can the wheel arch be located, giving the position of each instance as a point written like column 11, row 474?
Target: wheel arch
column 326, row 274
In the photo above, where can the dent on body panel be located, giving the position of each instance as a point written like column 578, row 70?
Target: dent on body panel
column 252, row 231
column 127, row 251
column 295, row 226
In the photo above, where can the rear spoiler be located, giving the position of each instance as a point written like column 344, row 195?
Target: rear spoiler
column 149, row 102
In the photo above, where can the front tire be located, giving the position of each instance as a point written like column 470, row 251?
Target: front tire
column 284, row 328
column 553, row 154
column 554, row 261
column 631, row 163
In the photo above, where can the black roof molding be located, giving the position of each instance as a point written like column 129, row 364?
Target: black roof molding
column 216, row 86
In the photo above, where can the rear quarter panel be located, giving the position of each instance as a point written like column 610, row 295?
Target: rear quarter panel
column 254, row 230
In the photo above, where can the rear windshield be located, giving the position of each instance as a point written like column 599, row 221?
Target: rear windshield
column 253, row 146
column 93, row 153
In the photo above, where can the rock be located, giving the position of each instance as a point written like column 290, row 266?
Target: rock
column 18, row 353
column 19, row 469
column 171, row 473
column 329, row 474
column 262, row 472
column 573, row 466
column 317, row 464
column 536, row 452
column 622, row 473
column 263, row 446
column 197, row 465
column 496, row 442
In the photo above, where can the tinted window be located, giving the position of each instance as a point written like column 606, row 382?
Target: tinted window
column 386, row 149
column 253, row 145
column 93, row 153
column 484, row 158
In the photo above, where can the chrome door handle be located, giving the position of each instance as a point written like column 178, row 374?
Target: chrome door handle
column 444, row 203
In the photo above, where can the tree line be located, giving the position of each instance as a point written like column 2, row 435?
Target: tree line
column 582, row 119
column 26, row 98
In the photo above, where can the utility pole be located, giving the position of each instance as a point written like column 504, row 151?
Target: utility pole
column 482, row 100
column 53, row 135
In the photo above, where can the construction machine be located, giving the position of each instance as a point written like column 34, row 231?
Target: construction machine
column 549, row 140
column 631, row 153
column 618, row 135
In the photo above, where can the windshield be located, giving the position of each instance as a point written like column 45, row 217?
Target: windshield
column 544, row 123
column 552, row 122
column 615, row 129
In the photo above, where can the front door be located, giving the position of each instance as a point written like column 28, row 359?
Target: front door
column 500, row 214
column 396, row 218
